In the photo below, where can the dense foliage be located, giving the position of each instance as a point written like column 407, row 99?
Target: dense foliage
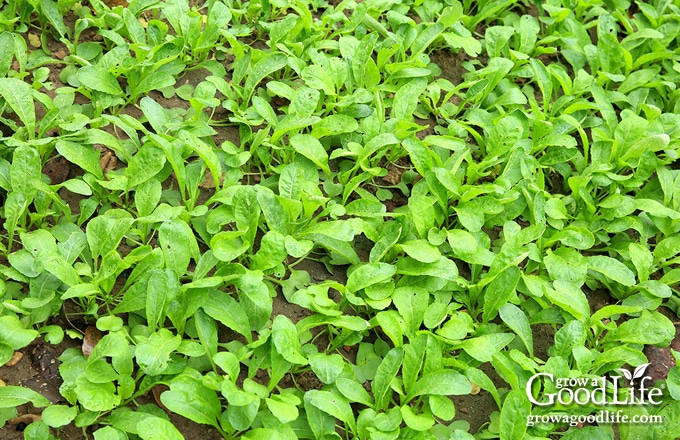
column 469, row 173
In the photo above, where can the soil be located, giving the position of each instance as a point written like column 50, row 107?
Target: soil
column 37, row 369
column 451, row 64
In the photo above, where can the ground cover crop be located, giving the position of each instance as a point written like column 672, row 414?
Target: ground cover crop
column 281, row 219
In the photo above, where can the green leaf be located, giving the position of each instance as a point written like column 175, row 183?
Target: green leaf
column 80, row 291
column 228, row 245
column 499, row 291
column 327, row 367
column 411, row 302
column 458, row 325
column 156, row 428
column 160, row 290
column 297, row 248
column 651, row 328
column 188, row 397
column 333, row 404
column 642, row 259
column 110, row 433
column 105, row 232
column 317, row 78
column 154, row 81
column 353, row 391
column 77, row 186
column 514, row 412
column 153, row 354
column 55, row 264
column 389, row 236
column 483, row 347
column 18, row 95
column 354, row 323
column 311, row 148
column 469, row 44
column 283, row 411
column 286, row 341
column 147, row 196
column 85, row 157
column 391, row 324
column 443, row 382
column 96, row 78
column 272, row 251
column 290, row 181
column 255, row 298
column 264, row 67
column 178, row 244
column 566, row 264
column 571, row 335
column 13, row 333
column 421, row 250
column 612, row 269
column 96, row 396
column 205, row 152
column 6, row 353
column 667, row 248
column 51, row 11
column 25, row 171
column 386, row 373
column 417, row 422
column 673, row 383
column 6, row 53
column 154, row 112
column 517, row 321
column 223, row 308
column 441, row 407
column 444, row 268
column 406, row 98
column 427, row 37
column 369, row 274
column 110, row 323
column 144, row 165
column 235, row 396
column 57, row 416
column 334, row 124
column 13, row 396
column 570, row 298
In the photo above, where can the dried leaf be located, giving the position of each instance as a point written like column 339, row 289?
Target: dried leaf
column 114, row 3
column 91, row 338
column 108, row 161
column 394, row 173
column 209, row 182
column 16, row 357
column 26, row 419
column 34, row 40
column 157, row 391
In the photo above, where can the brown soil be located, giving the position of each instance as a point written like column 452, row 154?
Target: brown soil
column 38, row 369
column 451, row 64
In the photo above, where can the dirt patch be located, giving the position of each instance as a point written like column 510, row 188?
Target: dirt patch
column 38, row 369
column 428, row 129
column 57, row 169
column 451, row 64
column 476, row 409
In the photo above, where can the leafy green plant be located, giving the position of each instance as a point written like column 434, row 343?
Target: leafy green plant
column 309, row 219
